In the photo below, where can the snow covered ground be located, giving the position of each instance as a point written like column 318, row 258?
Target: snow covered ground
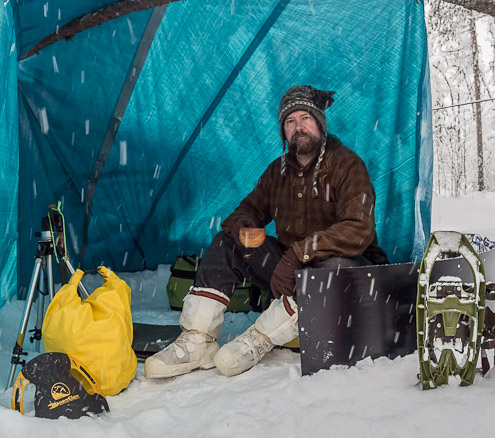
column 378, row 398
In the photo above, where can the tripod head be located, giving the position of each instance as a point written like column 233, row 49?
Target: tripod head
column 56, row 218
column 53, row 230
column 45, row 234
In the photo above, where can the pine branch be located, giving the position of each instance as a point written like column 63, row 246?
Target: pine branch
column 95, row 18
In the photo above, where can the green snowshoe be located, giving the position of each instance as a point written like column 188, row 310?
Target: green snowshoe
column 449, row 314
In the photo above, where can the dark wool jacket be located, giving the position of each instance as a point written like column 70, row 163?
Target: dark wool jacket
column 339, row 222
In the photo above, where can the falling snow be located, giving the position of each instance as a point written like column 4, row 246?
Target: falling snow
column 131, row 31
column 123, row 153
column 156, row 174
column 55, row 64
column 44, row 121
column 370, row 399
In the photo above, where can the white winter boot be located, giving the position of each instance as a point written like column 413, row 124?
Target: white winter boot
column 275, row 326
column 201, row 321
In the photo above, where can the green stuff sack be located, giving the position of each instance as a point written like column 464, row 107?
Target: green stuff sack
column 246, row 297
column 183, row 273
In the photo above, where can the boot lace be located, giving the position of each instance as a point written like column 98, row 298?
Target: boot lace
column 257, row 342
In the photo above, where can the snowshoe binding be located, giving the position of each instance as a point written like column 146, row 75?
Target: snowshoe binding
column 449, row 314
column 489, row 329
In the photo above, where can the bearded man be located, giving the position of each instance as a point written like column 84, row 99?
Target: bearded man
column 322, row 201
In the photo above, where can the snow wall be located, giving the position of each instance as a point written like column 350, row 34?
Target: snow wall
column 151, row 128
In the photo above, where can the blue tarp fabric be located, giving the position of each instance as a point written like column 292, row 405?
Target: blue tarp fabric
column 201, row 124
column 9, row 156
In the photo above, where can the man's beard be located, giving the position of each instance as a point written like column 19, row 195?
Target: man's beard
column 304, row 143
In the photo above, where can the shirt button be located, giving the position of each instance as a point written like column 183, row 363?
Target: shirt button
column 300, row 174
column 299, row 195
column 306, row 257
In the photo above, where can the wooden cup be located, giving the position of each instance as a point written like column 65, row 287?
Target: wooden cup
column 252, row 237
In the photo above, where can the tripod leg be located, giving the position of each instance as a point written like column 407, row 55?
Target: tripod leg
column 46, row 273
column 17, row 352
column 49, row 268
column 41, row 308
column 39, row 321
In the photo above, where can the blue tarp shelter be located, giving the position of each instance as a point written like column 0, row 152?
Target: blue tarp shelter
column 151, row 127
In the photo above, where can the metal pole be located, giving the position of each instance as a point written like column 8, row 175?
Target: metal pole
column 84, row 292
column 51, row 285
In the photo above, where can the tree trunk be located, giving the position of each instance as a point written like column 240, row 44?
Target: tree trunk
column 484, row 6
column 477, row 106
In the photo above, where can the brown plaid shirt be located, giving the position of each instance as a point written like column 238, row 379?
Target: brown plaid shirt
column 339, row 222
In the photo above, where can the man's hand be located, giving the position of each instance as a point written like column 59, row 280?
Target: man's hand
column 283, row 280
column 244, row 222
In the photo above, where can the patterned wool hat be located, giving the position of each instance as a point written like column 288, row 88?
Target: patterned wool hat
column 305, row 98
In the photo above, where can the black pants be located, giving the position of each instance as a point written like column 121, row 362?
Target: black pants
column 227, row 265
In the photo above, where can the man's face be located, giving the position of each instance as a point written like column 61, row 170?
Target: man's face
column 302, row 133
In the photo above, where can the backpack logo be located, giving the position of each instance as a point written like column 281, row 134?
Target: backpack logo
column 61, row 394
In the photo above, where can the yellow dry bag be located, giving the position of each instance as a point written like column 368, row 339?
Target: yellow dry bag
column 97, row 332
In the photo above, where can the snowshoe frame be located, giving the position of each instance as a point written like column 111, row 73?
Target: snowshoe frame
column 450, row 308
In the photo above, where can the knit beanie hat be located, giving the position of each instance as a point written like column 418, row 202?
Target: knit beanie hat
column 305, row 98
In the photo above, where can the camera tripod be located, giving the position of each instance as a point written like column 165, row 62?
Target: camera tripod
column 42, row 282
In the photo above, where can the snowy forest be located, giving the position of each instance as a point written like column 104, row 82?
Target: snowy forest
column 462, row 68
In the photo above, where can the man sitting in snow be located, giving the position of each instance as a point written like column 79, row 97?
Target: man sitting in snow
column 322, row 201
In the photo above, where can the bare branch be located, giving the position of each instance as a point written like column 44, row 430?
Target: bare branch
column 484, row 6
column 95, row 18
